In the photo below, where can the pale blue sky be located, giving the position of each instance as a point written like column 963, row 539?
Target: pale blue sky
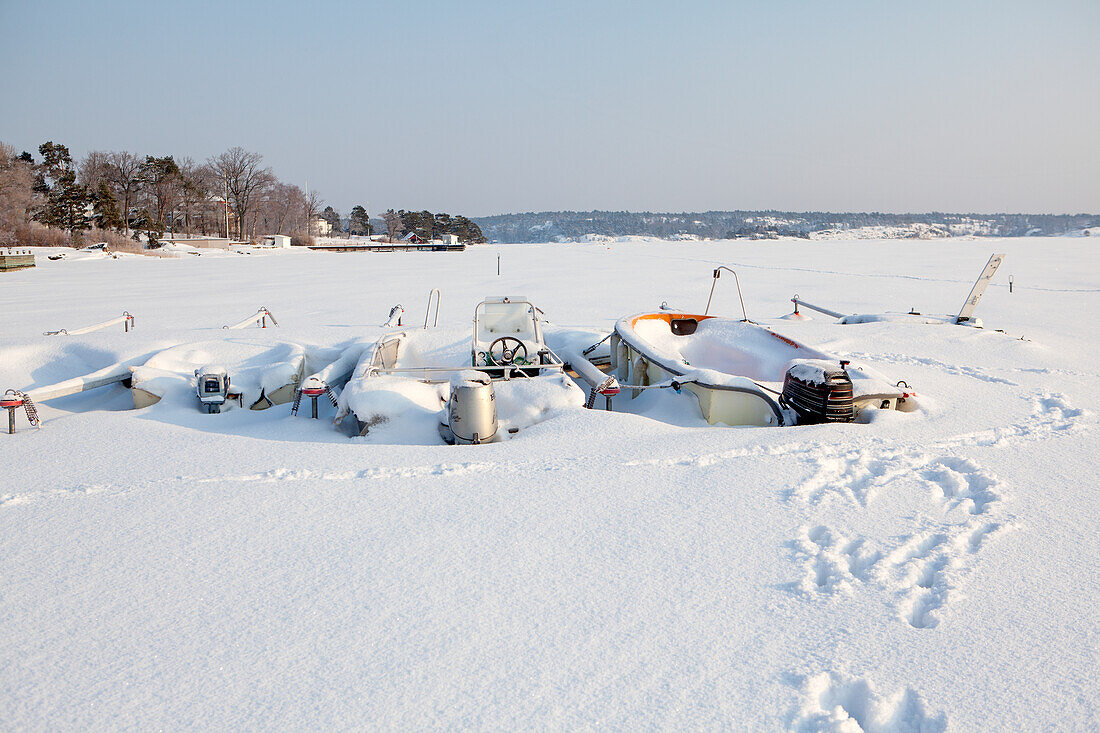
column 494, row 107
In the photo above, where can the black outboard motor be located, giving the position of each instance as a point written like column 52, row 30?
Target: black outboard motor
column 818, row 392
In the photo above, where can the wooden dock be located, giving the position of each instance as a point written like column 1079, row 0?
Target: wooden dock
column 387, row 247
column 15, row 259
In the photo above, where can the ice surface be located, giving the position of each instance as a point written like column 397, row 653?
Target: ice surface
column 926, row 571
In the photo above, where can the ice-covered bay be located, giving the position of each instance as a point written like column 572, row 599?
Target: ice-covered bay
column 927, row 571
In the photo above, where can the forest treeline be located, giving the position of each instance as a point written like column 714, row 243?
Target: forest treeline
column 429, row 226
column 115, row 196
column 145, row 197
column 550, row 226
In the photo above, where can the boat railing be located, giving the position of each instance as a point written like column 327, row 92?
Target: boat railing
column 717, row 273
column 428, row 310
column 510, row 371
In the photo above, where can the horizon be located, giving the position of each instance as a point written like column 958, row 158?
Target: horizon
column 482, row 110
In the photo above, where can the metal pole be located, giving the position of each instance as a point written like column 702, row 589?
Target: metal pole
column 798, row 301
column 498, row 264
column 314, row 408
column 226, row 179
column 11, row 421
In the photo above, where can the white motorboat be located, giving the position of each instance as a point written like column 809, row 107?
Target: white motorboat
column 417, row 380
column 743, row 373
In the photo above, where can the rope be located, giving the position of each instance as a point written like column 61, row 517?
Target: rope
column 592, row 348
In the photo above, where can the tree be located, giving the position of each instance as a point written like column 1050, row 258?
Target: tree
column 160, row 177
column 394, row 227
column 443, row 224
column 311, row 206
column 279, row 208
column 420, row 223
column 16, row 191
column 246, row 179
column 466, row 230
column 332, row 217
column 359, row 222
column 105, row 207
column 66, row 200
column 94, row 167
column 55, row 159
column 124, row 173
column 196, row 189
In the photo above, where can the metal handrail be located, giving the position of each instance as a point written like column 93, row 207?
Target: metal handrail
column 798, row 301
column 428, row 310
column 508, row 371
column 717, row 272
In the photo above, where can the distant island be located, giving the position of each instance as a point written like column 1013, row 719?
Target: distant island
column 574, row 226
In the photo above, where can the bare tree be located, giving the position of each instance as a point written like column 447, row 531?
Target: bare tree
column 125, row 176
column 246, row 179
column 280, row 208
column 16, row 192
column 196, row 196
column 310, row 209
column 94, row 167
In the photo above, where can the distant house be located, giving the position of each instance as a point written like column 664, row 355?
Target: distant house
column 412, row 238
column 321, row 227
column 450, row 239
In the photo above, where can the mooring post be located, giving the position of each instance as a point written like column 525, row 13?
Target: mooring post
column 1010, row 283
column 498, row 265
column 11, row 401
column 314, row 406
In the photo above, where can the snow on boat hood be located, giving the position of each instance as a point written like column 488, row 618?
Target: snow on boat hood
column 718, row 346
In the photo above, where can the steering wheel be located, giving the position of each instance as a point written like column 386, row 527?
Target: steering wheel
column 512, row 351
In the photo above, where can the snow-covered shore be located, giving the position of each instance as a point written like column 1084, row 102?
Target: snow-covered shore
column 937, row 570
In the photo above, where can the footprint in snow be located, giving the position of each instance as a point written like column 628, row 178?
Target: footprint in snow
column 836, row 702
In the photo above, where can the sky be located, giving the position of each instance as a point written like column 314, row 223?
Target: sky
column 482, row 108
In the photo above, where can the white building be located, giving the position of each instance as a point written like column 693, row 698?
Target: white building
column 279, row 241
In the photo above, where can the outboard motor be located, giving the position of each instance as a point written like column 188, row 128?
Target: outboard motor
column 819, row 392
column 212, row 387
column 471, row 410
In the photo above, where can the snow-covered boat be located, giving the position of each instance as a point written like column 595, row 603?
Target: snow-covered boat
column 262, row 373
column 410, row 380
column 743, row 373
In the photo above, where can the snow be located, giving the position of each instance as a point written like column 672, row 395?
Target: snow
column 934, row 570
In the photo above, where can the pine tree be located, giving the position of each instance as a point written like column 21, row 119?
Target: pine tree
column 359, row 221
column 66, row 200
column 332, row 217
column 105, row 206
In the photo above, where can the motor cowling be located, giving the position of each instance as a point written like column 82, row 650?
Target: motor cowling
column 819, row 392
column 472, row 408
